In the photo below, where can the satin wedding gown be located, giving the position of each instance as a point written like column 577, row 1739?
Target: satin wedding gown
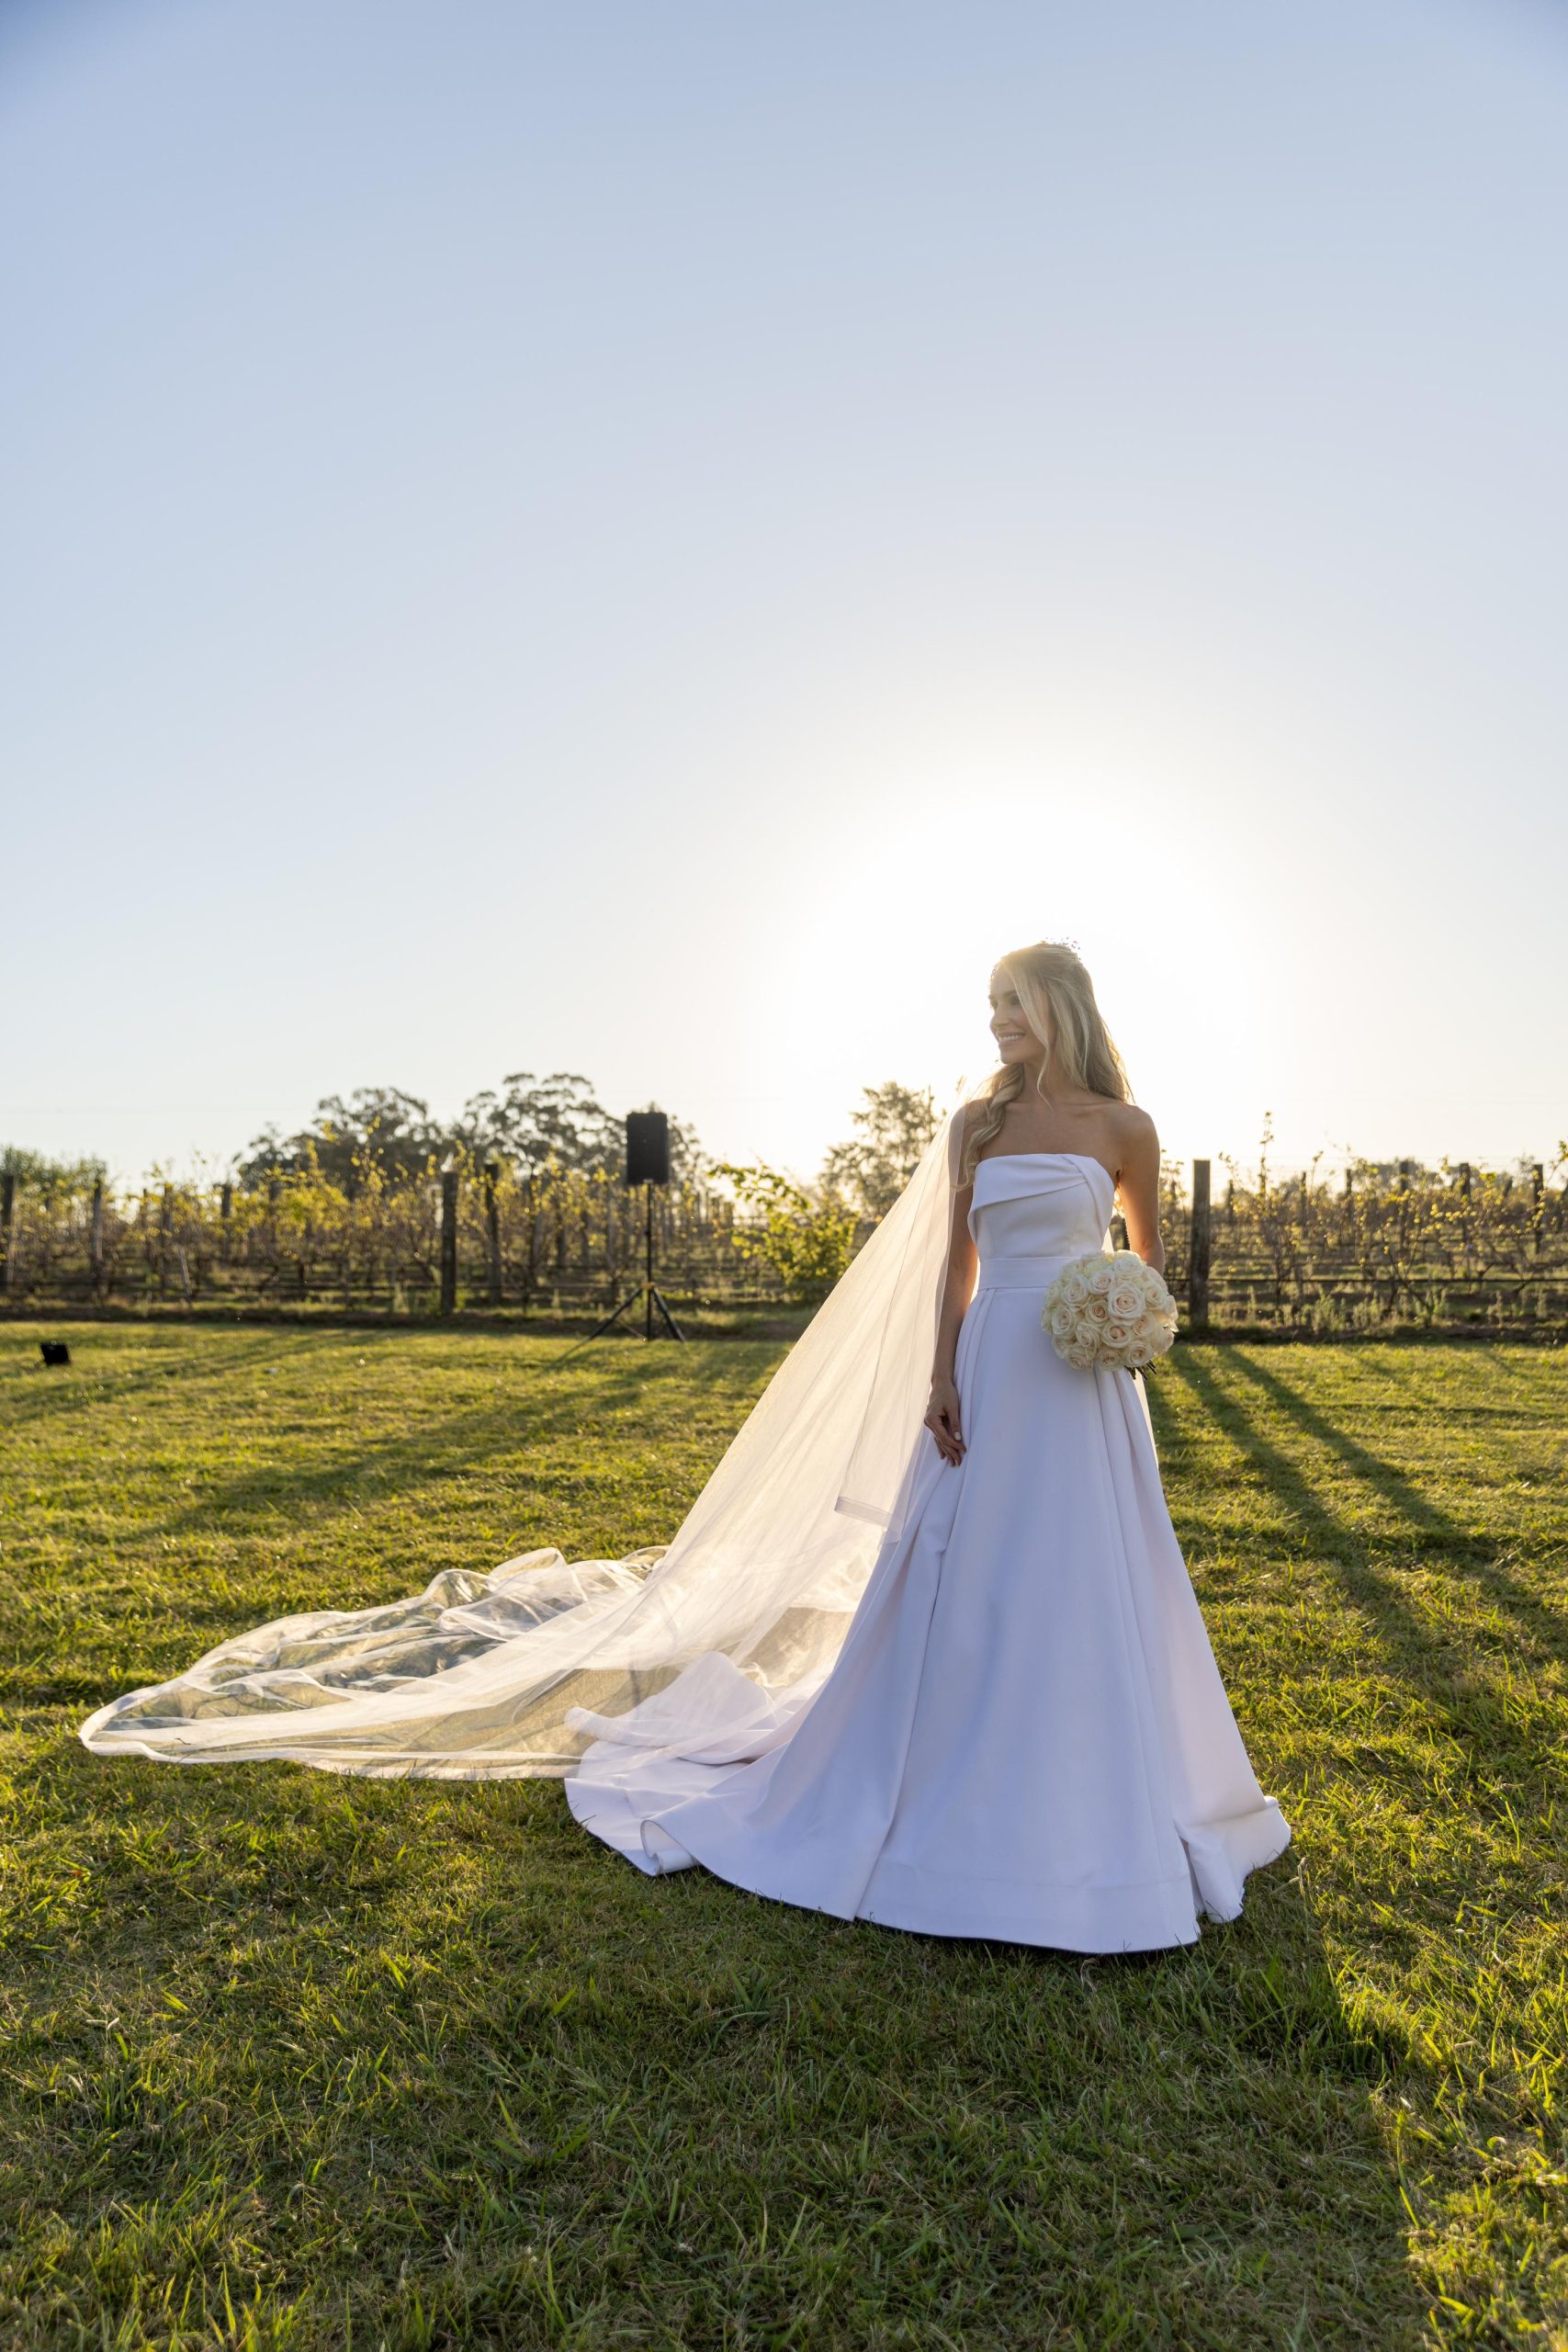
column 1024, row 1734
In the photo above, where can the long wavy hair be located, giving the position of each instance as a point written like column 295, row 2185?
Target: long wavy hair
column 1057, row 997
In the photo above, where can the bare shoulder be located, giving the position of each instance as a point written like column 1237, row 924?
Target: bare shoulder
column 1136, row 1140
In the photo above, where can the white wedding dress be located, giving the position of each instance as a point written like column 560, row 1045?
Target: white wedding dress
column 1024, row 1734
column 975, row 1699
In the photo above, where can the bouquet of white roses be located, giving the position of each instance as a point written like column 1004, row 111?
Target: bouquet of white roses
column 1109, row 1309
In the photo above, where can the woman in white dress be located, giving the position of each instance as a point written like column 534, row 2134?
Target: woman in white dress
column 1070, row 1774
column 921, row 1654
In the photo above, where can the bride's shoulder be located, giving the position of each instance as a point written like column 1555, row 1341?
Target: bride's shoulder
column 1133, row 1127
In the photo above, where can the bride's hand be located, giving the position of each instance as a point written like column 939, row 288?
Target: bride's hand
column 941, row 1420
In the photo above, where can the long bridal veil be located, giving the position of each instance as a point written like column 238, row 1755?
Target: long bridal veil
column 727, row 1629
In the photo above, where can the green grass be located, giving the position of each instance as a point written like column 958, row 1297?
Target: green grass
column 292, row 2060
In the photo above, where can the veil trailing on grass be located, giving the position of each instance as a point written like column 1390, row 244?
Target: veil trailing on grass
column 733, row 1623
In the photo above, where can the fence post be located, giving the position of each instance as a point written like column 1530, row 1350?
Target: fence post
column 1538, row 1203
column 226, row 1216
column 1199, row 1242
column 8, row 1223
column 96, row 1237
column 448, row 1241
column 493, row 1228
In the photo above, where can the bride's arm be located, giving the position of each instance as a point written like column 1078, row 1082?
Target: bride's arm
column 1137, row 1188
column 958, row 1284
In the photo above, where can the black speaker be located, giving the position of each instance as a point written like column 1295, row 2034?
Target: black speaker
column 648, row 1148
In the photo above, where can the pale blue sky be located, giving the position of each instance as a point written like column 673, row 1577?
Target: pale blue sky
column 657, row 540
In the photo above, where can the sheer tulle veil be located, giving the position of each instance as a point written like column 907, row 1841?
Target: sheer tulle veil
column 738, row 1619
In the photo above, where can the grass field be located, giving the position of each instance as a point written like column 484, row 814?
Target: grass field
column 292, row 2060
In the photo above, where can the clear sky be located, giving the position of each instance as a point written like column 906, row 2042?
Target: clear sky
column 657, row 540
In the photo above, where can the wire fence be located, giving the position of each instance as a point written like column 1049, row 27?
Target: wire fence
column 1457, row 1248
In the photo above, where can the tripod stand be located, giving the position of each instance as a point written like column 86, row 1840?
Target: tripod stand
column 646, row 1290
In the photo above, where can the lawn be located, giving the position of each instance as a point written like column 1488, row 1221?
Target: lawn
column 297, row 2060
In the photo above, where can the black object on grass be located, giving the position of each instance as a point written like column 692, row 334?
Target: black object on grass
column 55, row 1352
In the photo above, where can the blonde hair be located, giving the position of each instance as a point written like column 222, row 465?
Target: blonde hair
column 1057, row 997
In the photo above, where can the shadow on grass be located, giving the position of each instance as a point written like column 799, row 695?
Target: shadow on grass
column 1465, row 1549
column 90, row 1382
column 199, row 1360
column 470, row 1441
column 420, row 2036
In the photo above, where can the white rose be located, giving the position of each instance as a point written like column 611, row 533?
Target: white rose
column 1085, row 1332
column 1125, row 1300
column 1075, row 1286
column 1101, row 1276
column 1097, row 1307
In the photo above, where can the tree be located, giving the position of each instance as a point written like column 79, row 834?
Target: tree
column 54, row 1178
column 378, row 1128
column 808, row 1242
column 895, row 1124
column 533, row 1121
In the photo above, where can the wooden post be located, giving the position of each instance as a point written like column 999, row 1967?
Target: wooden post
column 8, row 1224
column 165, row 1221
column 1538, row 1203
column 95, row 1239
column 493, row 1228
column 1465, row 1180
column 226, row 1217
column 1199, row 1251
column 448, row 1241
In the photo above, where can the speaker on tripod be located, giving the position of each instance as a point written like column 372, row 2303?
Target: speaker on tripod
column 648, row 1163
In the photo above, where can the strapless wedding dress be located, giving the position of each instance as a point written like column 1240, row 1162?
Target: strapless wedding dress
column 1024, row 1734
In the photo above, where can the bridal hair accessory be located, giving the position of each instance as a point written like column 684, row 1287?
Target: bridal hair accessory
column 1109, row 1308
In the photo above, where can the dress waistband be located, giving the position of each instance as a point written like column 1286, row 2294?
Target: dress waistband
column 1022, row 1273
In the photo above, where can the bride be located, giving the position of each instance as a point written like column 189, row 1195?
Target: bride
column 924, row 1651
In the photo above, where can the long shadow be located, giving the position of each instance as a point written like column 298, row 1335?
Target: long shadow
column 1372, row 1590
column 404, row 1460
column 199, row 1360
column 86, row 1386
column 416, row 1460
column 1510, row 1397
column 1469, row 1551
column 1210, row 2105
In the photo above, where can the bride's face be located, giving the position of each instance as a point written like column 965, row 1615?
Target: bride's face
column 1016, row 1041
